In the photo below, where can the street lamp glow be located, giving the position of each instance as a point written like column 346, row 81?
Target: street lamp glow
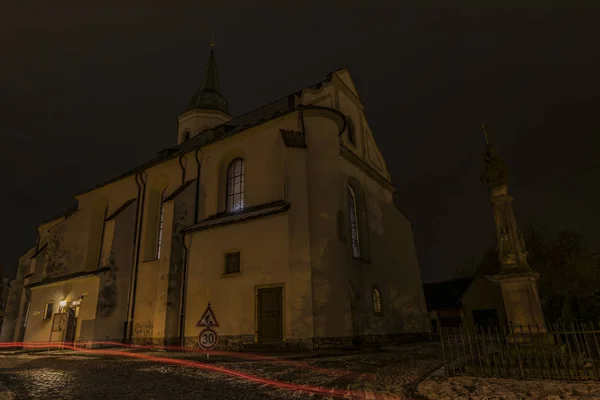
column 63, row 303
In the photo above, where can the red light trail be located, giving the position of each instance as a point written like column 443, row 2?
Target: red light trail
column 340, row 393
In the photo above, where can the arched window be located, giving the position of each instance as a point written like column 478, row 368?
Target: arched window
column 161, row 221
column 353, row 222
column 235, row 185
column 186, row 136
column 376, row 301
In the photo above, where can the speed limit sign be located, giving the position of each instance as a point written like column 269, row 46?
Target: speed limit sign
column 208, row 339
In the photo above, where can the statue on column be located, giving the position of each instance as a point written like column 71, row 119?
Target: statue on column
column 517, row 280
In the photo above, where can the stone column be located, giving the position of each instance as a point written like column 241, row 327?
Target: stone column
column 517, row 280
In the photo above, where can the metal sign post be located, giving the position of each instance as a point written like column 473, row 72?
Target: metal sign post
column 208, row 338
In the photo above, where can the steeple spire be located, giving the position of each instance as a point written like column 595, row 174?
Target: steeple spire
column 211, row 78
column 210, row 97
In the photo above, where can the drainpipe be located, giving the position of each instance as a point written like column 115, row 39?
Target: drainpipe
column 184, row 273
column 182, row 168
column 135, row 230
column 183, row 293
column 301, row 110
column 138, row 247
column 199, row 165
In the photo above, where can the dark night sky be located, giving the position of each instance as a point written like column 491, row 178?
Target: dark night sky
column 87, row 93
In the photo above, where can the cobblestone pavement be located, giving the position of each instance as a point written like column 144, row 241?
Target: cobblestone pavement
column 93, row 375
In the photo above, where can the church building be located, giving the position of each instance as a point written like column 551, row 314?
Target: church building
column 282, row 219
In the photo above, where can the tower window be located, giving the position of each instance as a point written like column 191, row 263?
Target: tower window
column 186, row 136
column 353, row 223
column 235, row 185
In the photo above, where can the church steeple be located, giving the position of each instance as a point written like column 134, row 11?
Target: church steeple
column 211, row 77
column 209, row 97
column 207, row 108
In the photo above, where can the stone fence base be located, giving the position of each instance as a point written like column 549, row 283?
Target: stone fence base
column 239, row 342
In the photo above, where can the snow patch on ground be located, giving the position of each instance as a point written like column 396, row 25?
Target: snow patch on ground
column 473, row 388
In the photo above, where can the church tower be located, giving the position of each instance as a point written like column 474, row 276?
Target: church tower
column 207, row 108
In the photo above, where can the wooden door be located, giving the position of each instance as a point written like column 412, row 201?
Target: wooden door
column 270, row 321
column 71, row 326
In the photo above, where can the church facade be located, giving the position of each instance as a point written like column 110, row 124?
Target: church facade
column 282, row 219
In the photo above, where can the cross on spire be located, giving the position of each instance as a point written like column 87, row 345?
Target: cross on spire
column 485, row 133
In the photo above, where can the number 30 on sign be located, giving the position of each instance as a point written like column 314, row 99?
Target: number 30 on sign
column 208, row 339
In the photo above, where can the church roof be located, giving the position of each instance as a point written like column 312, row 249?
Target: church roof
column 234, row 126
column 65, row 214
column 219, row 132
column 446, row 294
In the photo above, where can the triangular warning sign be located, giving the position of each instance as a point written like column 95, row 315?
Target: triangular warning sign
column 208, row 318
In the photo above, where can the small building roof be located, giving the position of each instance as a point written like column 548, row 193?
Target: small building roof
column 446, row 294
column 226, row 218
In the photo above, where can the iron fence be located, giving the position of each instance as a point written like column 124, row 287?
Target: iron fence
column 556, row 351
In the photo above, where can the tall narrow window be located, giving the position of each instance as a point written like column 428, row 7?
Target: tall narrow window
column 351, row 137
column 27, row 313
column 353, row 223
column 186, row 136
column 48, row 311
column 161, row 221
column 235, row 185
column 376, row 301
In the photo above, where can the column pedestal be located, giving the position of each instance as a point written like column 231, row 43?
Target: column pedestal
column 521, row 301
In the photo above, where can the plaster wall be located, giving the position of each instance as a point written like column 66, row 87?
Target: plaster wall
column 111, row 311
column 330, row 279
column 300, row 294
column 263, row 167
column 38, row 329
column 264, row 247
column 11, row 325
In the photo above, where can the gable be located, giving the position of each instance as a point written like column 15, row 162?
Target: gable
column 365, row 146
column 373, row 154
column 344, row 75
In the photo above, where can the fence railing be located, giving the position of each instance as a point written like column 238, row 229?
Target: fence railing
column 557, row 351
